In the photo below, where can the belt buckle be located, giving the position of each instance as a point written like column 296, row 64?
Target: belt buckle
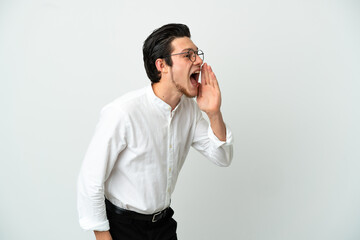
column 155, row 215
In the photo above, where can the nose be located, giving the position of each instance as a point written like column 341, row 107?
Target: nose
column 198, row 60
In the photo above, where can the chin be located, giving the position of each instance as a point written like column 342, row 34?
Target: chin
column 190, row 94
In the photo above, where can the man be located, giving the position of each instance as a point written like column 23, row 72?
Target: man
column 142, row 139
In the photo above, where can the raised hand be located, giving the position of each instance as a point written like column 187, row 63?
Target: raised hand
column 209, row 96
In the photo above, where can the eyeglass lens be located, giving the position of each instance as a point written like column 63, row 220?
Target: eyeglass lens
column 192, row 55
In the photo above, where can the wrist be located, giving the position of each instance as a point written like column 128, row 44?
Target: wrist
column 214, row 115
column 217, row 125
column 102, row 235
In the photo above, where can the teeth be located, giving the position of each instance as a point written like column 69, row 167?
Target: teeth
column 196, row 72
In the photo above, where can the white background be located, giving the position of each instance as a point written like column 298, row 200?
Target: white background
column 289, row 72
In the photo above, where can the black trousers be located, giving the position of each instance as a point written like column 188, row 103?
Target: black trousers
column 125, row 228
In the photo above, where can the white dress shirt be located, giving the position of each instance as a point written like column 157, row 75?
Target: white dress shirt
column 136, row 154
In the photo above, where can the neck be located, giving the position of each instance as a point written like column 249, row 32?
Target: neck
column 167, row 93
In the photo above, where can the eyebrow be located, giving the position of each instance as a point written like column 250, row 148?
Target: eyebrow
column 187, row 49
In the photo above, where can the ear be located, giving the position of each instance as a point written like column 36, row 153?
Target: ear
column 161, row 65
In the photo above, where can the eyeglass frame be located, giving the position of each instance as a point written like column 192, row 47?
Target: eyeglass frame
column 190, row 50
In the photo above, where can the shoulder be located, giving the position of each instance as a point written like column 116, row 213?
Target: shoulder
column 126, row 103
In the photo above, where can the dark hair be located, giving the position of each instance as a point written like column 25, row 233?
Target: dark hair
column 158, row 45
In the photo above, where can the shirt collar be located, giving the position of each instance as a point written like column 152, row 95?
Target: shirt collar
column 160, row 103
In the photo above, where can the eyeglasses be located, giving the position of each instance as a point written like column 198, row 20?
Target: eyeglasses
column 191, row 54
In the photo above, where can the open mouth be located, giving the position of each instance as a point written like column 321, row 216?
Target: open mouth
column 194, row 78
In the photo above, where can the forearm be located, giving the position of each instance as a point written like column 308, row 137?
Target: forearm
column 91, row 201
column 102, row 235
column 217, row 125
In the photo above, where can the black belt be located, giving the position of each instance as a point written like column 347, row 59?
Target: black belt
column 138, row 216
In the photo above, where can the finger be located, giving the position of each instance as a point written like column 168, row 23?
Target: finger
column 199, row 95
column 211, row 77
column 216, row 83
column 214, row 78
column 207, row 77
column 203, row 74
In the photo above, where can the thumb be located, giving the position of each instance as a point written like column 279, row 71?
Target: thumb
column 199, row 95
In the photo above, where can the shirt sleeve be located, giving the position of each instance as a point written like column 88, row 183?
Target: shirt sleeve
column 205, row 141
column 108, row 141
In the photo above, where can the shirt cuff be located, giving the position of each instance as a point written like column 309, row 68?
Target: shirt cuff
column 218, row 143
column 102, row 226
